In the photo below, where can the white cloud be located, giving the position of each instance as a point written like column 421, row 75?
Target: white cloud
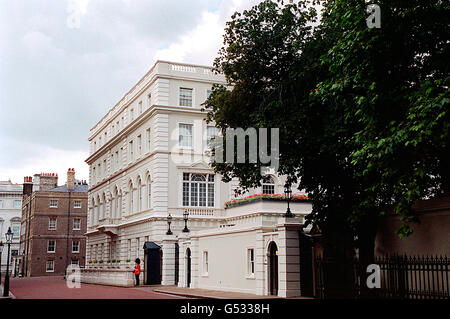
column 47, row 159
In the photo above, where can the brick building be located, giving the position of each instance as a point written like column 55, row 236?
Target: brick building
column 53, row 224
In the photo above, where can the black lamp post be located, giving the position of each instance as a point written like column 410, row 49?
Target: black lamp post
column 9, row 236
column 1, row 249
column 288, row 196
column 185, row 216
column 169, row 221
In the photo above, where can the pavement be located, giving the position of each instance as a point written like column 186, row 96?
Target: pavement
column 202, row 293
column 55, row 288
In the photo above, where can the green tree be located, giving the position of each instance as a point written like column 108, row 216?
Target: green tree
column 362, row 113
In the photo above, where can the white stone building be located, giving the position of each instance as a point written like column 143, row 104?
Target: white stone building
column 148, row 158
column 10, row 216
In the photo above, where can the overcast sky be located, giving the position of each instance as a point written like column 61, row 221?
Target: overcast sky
column 65, row 63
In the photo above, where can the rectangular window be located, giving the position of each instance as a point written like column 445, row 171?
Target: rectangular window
column 251, row 262
column 211, row 133
column 130, row 151
column 185, row 135
column 75, row 246
column 51, row 246
column 77, row 204
column 148, row 139
column 117, row 159
column 17, row 204
column 139, row 145
column 52, row 224
column 1, row 203
column 53, row 203
column 205, row 262
column 137, row 247
column 16, row 230
column 185, row 97
column 149, row 100
column 77, row 224
column 208, row 93
column 140, row 107
column 129, row 249
column 75, row 262
column 50, row 266
column 104, row 167
column 131, row 115
column 198, row 190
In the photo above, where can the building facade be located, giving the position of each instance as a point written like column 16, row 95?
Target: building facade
column 149, row 157
column 10, row 213
column 53, row 225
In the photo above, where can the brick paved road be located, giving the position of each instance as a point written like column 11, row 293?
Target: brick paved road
column 55, row 288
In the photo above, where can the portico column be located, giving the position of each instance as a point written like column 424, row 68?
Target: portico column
column 289, row 257
column 168, row 266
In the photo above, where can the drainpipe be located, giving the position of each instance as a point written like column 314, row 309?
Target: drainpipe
column 68, row 230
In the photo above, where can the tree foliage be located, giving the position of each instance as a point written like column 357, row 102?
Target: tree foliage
column 363, row 113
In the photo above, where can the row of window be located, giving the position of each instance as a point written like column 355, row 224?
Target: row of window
column 51, row 246
column 186, row 136
column 52, row 222
column 16, row 203
column 54, row 203
column 119, row 124
column 50, row 265
column 185, row 99
column 97, row 251
column 250, row 263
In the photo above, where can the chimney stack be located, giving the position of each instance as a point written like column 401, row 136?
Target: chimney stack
column 27, row 185
column 71, row 178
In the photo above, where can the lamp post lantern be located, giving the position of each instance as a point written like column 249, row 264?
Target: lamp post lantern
column 8, row 236
column 169, row 221
column 288, row 196
column 186, row 217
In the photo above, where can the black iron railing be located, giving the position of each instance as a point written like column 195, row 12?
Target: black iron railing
column 401, row 277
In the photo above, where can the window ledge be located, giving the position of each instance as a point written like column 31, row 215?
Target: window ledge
column 205, row 275
column 250, row 277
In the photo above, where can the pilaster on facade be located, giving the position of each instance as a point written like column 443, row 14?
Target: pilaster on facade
column 162, row 92
column 168, row 266
column 289, row 257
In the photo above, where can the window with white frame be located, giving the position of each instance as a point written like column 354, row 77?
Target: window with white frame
column 15, row 228
column 1, row 203
column 77, row 224
column 185, row 135
column 211, row 133
column 131, row 115
column 77, row 204
column 139, row 145
column 140, row 107
column 52, row 223
column 75, row 262
column 130, row 151
column 148, row 139
column 149, row 100
column 75, row 246
column 185, row 97
column 104, row 167
column 205, row 262
column 198, row 190
column 51, row 246
column 17, row 204
column 268, row 185
column 53, row 203
column 50, row 266
column 250, row 262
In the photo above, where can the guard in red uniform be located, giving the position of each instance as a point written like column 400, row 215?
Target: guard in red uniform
column 137, row 270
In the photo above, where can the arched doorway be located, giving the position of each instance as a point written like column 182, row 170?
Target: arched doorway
column 188, row 267
column 273, row 269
